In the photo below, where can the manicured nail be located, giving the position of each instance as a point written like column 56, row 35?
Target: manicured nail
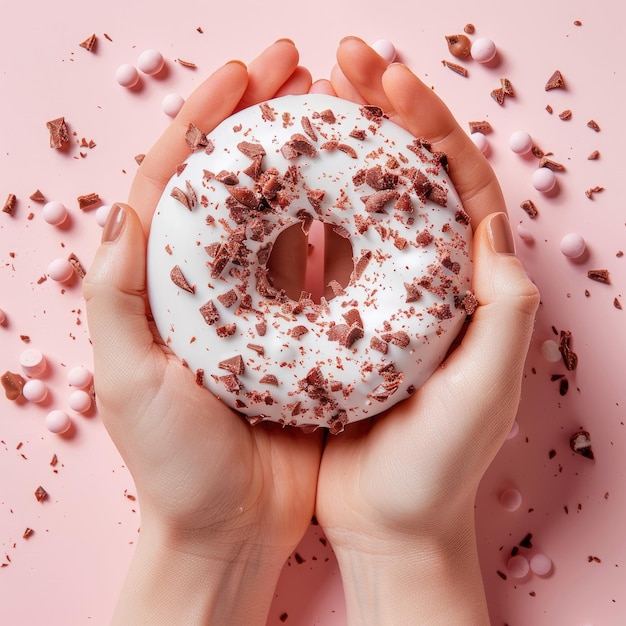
column 237, row 61
column 349, row 38
column 500, row 235
column 113, row 225
column 285, row 39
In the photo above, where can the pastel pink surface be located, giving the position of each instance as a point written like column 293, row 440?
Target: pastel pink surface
column 573, row 507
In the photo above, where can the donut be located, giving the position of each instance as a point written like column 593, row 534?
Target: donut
column 290, row 161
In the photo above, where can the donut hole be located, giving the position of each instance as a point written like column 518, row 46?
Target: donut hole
column 310, row 263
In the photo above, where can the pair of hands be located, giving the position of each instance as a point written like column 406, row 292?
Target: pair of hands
column 224, row 504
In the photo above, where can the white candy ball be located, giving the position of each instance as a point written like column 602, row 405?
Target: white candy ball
column 541, row 564
column 102, row 212
column 54, row 213
column 126, row 75
column 544, row 179
column 386, row 49
column 172, row 104
column 79, row 377
column 35, row 390
column 483, row 50
column 150, row 62
column 550, row 351
column 518, row 566
column 520, row 142
column 79, row 401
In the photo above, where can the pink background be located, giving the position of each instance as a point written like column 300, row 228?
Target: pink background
column 70, row 569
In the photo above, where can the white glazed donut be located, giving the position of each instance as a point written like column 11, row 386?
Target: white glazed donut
column 290, row 161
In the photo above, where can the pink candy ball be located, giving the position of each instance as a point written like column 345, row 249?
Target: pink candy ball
column 79, row 377
column 58, row 422
column 483, row 50
column 150, row 62
column 126, row 75
column 572, row 245
column 544, row 179
column 518, row 566
column 79, row 401
column 511, row 499
column 102, row 212
column 35, row 390
column 54, row 213
column 480, row 141
column 386, row 49
column 520, row 142
column 172, row 104
column 550, row 351
column 541, row 564
column 60, row 270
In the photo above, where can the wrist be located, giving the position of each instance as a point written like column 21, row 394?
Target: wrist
column 175, row 579
column 414, row 578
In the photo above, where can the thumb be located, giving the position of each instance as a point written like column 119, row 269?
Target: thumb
column 491, row 357
column 115, row 294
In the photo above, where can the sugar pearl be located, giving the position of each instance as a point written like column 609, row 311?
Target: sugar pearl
column 520, row 142
column 518, row 566
column 386, row 49
column 541, row 564
column 483, row 50
column 480, row 141
column 60, row 270
column 79, row 377
column 102, row 212
column 511, row 499
column 35, row 390
column 572, row 245
column 33, row 362
column 544, row 179
column 514, row 430
column 54, row 213
column 172, row 104
column 126, row 75
column 79, row 401
column 150, row 62
column 58, row 422
column 550, row 351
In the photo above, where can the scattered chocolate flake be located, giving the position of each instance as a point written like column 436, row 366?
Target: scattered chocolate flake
column 556, row 81
column 600, row 276
column 209, row 312
column 580, row 443
column 577, row 23
column 527, row 542
column 188, row 64
column 27, row 533
column 462, row 217
column 530, row 208
column 40, row 494
column 299, row 331
column 617, row 304
column 308, row 129
column 139, row 158
column 54, row 460
column 549, row 109
column 59, row 135
column 107, row 37
column 177, row 277
column 9, row 205
column 226, row 330
column 195, row 138
column 566, row 115
column 37, row 196
column 570, row 358
column 188, row 201
column 551, row 165
column 77, row 265
column 501, row 574
column 593, row 125
column 498, row 95
column 284, row 617
column 563, row 386
column 88, row 201
column 507, row 87
column 483, row 127
column 589, row 192
column 594, row 155
column 234, row 365
column 13, row 385
column 594, row 559
column 455, row 67
column 269, row 379
column 89, row 43
column 469, row 303
column 268, row 113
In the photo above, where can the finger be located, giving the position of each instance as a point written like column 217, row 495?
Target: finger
column 213, row 101
column 362, row 68
column 323, row 86
column 490, row 358
column 298, row 83
column 343, row 87
column 269, row 72
column 287, row 262
column 425, row 115
column 115, row 291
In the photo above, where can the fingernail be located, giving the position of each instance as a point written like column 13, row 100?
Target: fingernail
column 113, row 225
column 349, row 38
column 237, row 61
column 500, row 235
column 286, row 39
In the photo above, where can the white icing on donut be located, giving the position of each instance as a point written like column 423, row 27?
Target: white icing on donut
column 290, row 161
